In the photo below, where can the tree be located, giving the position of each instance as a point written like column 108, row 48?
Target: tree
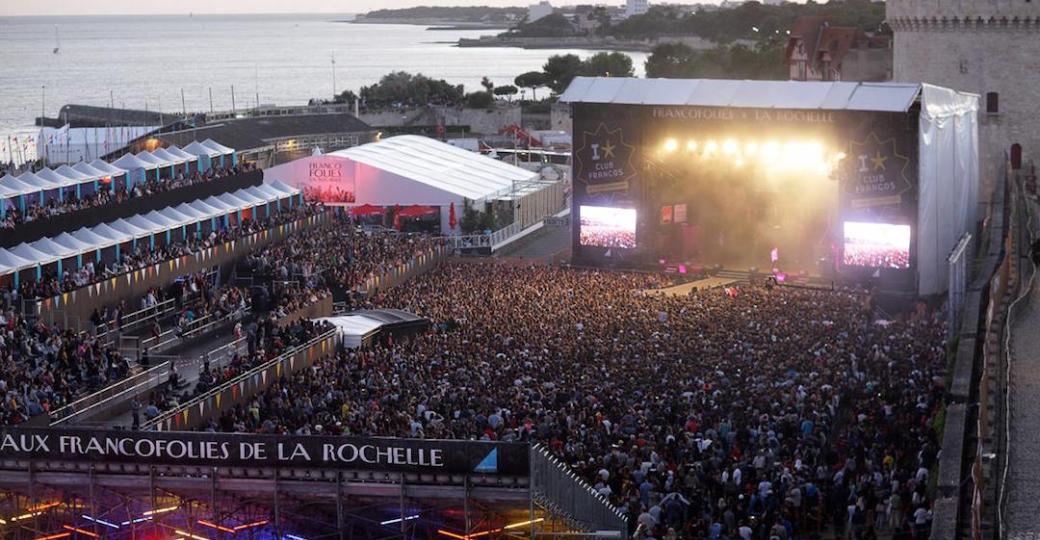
column 560, row 70
column 479, row 100
column 347, row 96
column 532, row 80
column 601, row 15
column 487, row 84
column 554, row 25
column 401, row 87
column 672, row 60
column 507, row 91
column 608, row 64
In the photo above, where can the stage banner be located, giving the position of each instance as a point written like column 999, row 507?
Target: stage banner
column 604, row 158
column 877, row 171
column 223, row 449
column 327, row 179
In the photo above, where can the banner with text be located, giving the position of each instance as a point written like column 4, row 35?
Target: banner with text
column 222, row 449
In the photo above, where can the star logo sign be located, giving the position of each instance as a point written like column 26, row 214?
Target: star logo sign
column 603, row 160
column 878, row 161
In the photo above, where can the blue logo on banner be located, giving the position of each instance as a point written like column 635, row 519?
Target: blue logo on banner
column 489, row 464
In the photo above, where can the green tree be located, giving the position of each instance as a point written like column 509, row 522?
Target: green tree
column 560, row 70
column 507, row 91
column 405, row 88
column 672, row 61
column 479, row 100
column 601, row 15
column 347, row 96
column 554, row 25
column 532, row 80
column 608, row 64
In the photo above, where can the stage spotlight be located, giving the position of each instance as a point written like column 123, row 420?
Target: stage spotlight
column 739, row 162
column 771, row 150
column 691, row 145
column 671, row 145
column 751, row 148
column 710, row 148
column 814, row 151
column 729, row 147
column 840, row 156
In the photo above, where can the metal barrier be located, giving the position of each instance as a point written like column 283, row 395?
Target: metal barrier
column 122, row 390
column 957, row 264
column 405, row 271
column 559, row 489
column 224, row 396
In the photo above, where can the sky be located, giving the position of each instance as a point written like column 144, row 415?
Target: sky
column 118, row 7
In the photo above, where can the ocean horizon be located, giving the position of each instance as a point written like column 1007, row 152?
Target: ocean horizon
column 145, row 61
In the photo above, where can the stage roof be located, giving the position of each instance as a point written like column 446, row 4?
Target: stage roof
column 440, row 165
column 850, row 96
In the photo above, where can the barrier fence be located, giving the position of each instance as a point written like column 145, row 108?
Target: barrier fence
column 1020, row 240
column 958, row 267
column 400, row 273
column 195, row 412
column 961, row 486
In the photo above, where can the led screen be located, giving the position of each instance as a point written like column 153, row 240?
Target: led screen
column 877, row 245
column 608, row 227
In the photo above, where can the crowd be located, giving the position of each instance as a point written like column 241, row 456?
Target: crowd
column 608, row 237
column 117, row 194
column 265, row 341
column 144, row 255
column 338, row 255
column 43, row 367
column 765, row 412
column 875, row 256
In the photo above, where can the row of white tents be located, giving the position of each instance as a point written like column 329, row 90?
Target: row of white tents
column 85, row 179
column 105, row 242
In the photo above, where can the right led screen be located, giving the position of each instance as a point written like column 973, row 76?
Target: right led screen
column 876, row 245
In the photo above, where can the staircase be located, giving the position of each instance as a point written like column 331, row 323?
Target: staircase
column 557, row 489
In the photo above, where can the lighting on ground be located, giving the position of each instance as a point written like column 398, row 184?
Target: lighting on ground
column 100, row 521
column 398, row 520
column 77, row 530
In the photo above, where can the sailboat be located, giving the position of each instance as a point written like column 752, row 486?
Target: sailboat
column 57, row 40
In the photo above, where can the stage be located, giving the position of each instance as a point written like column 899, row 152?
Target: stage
column 848, row 183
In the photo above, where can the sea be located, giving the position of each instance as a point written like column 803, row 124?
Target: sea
column 150, row 62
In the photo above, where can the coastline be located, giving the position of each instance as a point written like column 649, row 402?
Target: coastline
column 432, row 23
column 584, row 43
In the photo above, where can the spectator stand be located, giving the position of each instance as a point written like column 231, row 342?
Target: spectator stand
column 75, row 306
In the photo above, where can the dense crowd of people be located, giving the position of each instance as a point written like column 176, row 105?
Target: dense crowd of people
column 765, row 412
column 265, row 340
column 112, row 195
column 876, row 256
column 43, row 367
column 338, row 255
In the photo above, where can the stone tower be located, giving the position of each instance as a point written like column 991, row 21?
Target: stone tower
column 987, row 47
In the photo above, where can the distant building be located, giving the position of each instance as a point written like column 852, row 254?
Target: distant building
column 538, row 11
column 636, row 7
column 818, row 51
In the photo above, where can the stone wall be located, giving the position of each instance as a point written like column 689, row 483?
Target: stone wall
column 978, row 47
column 479, row 121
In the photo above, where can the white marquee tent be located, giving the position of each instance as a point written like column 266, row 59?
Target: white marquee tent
column 406, row 170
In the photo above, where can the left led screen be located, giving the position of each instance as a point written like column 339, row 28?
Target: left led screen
column 609, row 227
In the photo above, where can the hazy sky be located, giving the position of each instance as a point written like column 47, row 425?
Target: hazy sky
column 110, row 7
